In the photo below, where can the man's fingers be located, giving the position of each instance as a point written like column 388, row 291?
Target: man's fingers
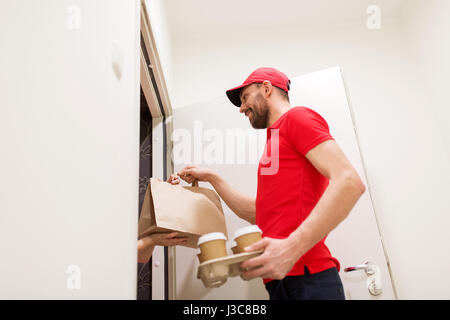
column 186, row 172
column 254, row 273
column 261, row 244
column 254, row 262
column 188, row 178
column 174, row 181
column 189, row 167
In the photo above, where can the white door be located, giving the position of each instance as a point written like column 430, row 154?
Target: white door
column 357, row 239
column 69, row 141
column 353, row 242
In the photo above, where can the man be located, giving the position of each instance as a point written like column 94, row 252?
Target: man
column 306, row 187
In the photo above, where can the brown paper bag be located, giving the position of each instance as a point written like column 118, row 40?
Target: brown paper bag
column 191, row 211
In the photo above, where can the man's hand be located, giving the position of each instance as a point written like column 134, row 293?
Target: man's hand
column 191, row 173
column 275, row 262
column 173, row 179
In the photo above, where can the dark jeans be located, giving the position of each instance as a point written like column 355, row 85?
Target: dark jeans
column 324, row 285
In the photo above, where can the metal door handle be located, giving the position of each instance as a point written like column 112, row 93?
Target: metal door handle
column 368, row 267
column 374, row 276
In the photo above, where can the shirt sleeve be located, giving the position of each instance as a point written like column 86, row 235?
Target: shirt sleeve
column 306, row 129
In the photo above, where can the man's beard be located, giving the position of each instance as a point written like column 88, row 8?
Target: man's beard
column 260, row 114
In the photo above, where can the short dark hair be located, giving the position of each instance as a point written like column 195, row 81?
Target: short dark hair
column 283, row 93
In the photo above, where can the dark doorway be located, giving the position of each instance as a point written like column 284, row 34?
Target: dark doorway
column 144, row 276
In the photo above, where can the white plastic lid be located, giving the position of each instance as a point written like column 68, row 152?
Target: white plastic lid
column 246, row 230
column 211, row 236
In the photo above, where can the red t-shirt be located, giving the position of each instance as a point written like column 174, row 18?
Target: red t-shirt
column 289, row 186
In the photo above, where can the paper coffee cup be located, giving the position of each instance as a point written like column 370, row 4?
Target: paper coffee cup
column 234, row 247
column 246, row 236
column 212, row 245
column 199, row 256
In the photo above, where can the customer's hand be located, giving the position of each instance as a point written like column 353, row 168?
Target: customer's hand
column 147, row 244
column 167, row 239
column 191, row 173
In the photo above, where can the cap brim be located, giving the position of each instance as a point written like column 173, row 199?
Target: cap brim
column 234, row 95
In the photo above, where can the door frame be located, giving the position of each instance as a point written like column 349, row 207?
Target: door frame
column 155, row 91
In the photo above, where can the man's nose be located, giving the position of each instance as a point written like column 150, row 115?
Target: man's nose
column 242, row 108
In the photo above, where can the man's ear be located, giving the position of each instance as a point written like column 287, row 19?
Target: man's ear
column 268, row 88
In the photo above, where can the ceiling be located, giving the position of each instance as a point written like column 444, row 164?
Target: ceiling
column 209, row 16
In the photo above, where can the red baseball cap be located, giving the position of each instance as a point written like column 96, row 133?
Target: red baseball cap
column 276, row 78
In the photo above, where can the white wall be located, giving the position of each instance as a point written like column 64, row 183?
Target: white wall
column 407, row 166
column 426, row 26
